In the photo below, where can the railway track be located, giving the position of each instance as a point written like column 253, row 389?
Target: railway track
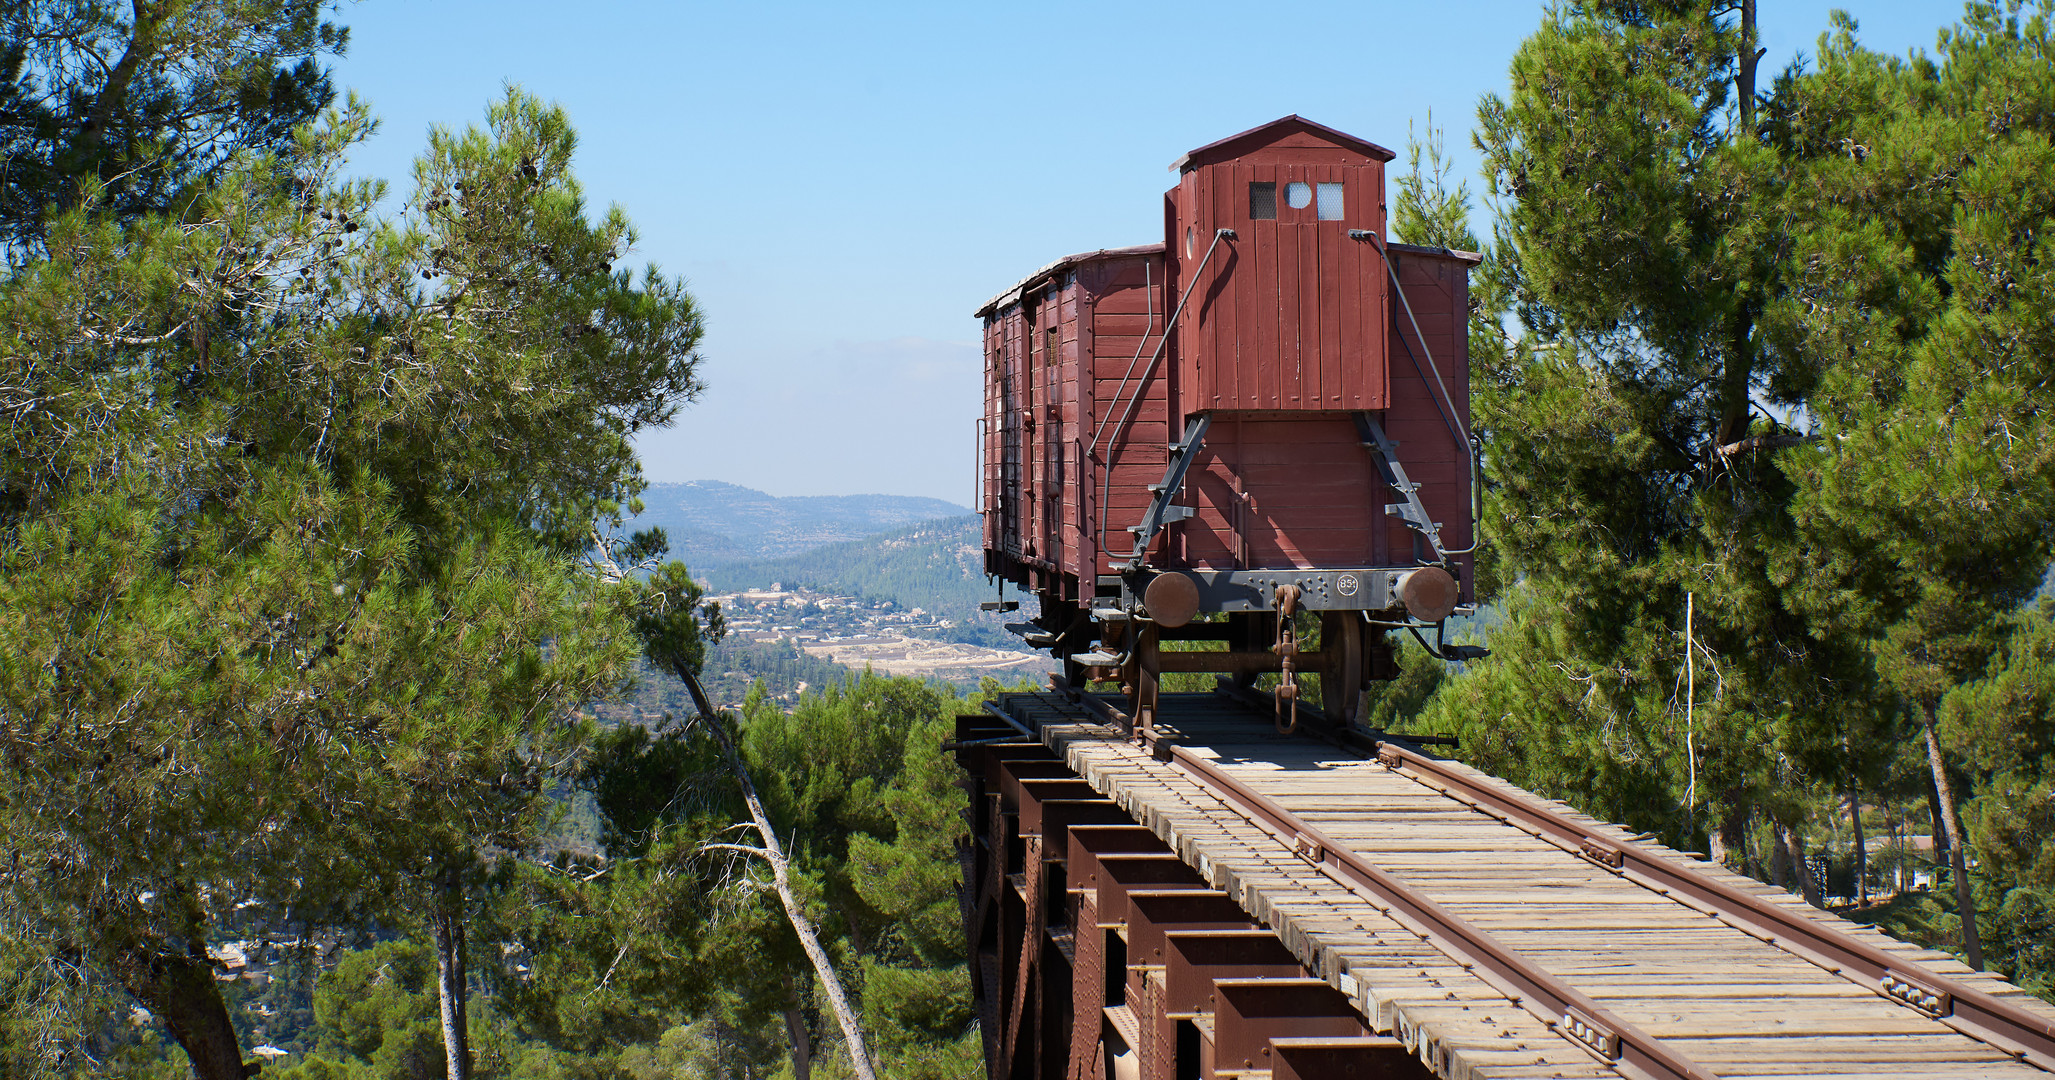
column 1208, row 898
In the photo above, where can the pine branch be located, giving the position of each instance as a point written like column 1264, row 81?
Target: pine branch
column 774, row 853
column 1765, row 442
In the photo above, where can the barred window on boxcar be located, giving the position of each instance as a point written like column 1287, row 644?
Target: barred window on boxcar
column 1330, row 202
column 1050, row 347
column 1263, row 200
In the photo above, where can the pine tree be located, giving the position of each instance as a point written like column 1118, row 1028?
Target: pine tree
column 137, row 103
column 296, row 509
column 1631, row 247
column 2002, row 725
column 1922, row 512
column 1783, row 368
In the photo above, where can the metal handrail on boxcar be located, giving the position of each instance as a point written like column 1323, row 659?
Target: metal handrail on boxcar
column 1456, row 428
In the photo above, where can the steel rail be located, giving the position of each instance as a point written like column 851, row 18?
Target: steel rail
column 1562, row 1007
column 1949, row 1001
column 1965, row 1008
column 1554, row 1002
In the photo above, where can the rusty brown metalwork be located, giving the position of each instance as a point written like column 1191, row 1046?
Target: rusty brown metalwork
column 1097, row 951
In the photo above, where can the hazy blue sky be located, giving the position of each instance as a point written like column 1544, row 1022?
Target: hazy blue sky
column 843, row 184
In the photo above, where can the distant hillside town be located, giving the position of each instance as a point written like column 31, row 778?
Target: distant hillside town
column 858, row 632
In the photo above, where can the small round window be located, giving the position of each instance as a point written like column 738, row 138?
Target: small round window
column 1298, row 196
column 1188, row 241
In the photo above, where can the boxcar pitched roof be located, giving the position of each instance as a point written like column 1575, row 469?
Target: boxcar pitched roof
column 1013, row 293
column 1458, row 254
column 1261, row 135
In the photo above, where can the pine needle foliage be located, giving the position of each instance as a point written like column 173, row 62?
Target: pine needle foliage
column 295, row 498
column 1782, row 362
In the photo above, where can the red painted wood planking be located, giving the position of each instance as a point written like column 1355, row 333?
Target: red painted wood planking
column 1289, row 328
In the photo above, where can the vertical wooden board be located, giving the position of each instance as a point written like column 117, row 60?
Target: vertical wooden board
column 1350, row 357
column 1023, row 440
column 1286, row 309
column 1376, row 354
column 1306, row 313
column 1212, row 346
column 1002, row 430
column 1255, row 298
column 1207, row 345
column 1089, row 467
column 1009, row 434
column 1378, row 318
column 1320, row 358
column 1376, row 170
column 1236, row 356
column 1182, row 344
column 1077, row 298
column 1358, row 267
column 1079, row 553
column 1274, row 305
column 1232, row 347
column 1336, row 288
column 1226, row 354
column 1037, row 428
column 1461, row 295
column 986, row 441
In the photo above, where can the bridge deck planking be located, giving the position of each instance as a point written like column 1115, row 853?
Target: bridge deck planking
column 1381, row 822
column 1633, row 950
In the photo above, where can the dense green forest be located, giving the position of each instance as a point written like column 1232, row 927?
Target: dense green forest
column 343, row 730
column 1761, row 360
column 783, row 669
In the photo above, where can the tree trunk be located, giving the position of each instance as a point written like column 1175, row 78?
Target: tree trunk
column 1744, row 69
column 1894, row 824
column 1934, row 825
column 1965, row 902
column 1861, row 852
column 1808, row 885
column 1730, row 840
column 452, row 984
column 774, row 853
column 1736, row 409
column 802, row 1044
column 142, row 44
column 1778, row 856
column 181, row 991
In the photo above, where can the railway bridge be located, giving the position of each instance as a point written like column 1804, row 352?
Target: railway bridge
column 1199, row 896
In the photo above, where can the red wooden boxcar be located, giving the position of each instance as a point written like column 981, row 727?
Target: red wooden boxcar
column 1186, row 439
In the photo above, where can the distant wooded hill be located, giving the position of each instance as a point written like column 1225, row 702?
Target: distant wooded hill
column 937, row 565
column 712, row 524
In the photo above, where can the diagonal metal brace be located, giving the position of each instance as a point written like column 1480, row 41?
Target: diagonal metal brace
column 1413, row 512
column 1160, row 510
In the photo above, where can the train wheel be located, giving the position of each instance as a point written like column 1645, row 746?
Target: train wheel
column 1341, row 682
